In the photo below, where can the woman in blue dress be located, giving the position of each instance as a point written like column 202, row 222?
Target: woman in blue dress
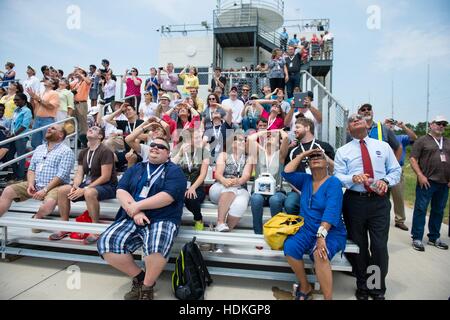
column 323, row 234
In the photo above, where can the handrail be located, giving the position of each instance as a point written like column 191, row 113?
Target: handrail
column 28, row 133
column 323, row 88
column 263, row 4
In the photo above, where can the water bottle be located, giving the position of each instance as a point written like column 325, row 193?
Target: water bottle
column 373, row 186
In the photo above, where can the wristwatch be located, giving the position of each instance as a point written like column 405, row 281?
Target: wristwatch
column 322, row 232
column 385, row 181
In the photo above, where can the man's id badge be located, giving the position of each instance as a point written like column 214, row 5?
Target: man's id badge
column 291, row 65
column 443, row 157
column 217, row 148
column 308, row 170
column 144, row 192
column 188, row 185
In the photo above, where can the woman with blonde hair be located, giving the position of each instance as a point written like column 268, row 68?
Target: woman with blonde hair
column 190, row 79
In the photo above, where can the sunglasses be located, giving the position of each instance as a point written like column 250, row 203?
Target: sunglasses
column 158, row 145
column 211, row 98
column 365, row 109
column 442, row 124
column 245, row 90
column 356, row 118
column 316, row 156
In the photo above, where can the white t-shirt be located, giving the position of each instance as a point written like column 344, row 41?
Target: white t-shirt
column 109, row 128
column 236, row 106
column 32, row 83
column 148, row 109
column 109, row 89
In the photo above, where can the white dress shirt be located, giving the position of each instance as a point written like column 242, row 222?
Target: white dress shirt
column 348, row 162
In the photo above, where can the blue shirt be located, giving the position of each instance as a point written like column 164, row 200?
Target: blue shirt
column 348, row 162
column 405, row 141
column 294, row 41
column 323, row 206
column 46, row 165
column 284, row 36
column 154, row 89
column 21, row 118
column 171, row 181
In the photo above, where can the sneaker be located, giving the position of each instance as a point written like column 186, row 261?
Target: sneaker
column 438, row 244
column 222, row 227
column 199, row 226
column 401, row 226
column 146, row 293
column 418, row 245
column 135, row 291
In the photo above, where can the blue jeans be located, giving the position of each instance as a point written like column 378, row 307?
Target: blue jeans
column 294, row 81
column 19, row 167
column 38, row 138
column 292, row 203
column 437, row 194
column 257, row 202
column 249, row 123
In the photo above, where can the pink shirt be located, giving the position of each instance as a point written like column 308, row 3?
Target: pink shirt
column 276, row 124
column 132, row 89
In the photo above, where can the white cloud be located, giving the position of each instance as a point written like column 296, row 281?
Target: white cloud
column 409, row 47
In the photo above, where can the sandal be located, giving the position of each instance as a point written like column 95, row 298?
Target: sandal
column 91, row 239
column 299, row 295
column 58, row 235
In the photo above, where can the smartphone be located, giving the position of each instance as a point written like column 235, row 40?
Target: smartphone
column 160, row 68
column 299, row 97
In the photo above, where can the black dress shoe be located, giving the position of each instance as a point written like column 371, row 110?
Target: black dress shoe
column 361, row 294
column 401, row 226
column 377, row 296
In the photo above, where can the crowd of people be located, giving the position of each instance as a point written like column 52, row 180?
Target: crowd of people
column 154, row 156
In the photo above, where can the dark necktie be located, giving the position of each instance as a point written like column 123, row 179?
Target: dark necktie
column 367, row 163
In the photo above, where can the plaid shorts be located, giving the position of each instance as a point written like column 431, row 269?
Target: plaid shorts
column 124, row 237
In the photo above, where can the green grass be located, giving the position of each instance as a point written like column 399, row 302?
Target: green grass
column 410, row 188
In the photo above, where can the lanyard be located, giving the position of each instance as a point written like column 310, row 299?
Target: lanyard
column 311, row 147
column 269, row 164
column 129, row 126
column 89, row 160
column 253, row 111
column 151, row 178
column 56, row 147
column 188, row 161
column 216, row 133
column 238, row 165
column 440, row 144
column 271, row 123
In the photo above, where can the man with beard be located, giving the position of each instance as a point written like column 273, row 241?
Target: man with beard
column 50, row 168
column 305, row 140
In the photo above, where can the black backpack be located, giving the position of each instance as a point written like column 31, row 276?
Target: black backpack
column 190, row 278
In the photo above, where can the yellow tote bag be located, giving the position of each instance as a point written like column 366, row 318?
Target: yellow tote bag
column 279, row 227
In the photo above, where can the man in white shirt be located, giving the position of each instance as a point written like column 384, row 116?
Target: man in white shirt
column 235, row 104
column 32, row 82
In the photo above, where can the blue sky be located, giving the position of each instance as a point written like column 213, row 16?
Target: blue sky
column 411, row 34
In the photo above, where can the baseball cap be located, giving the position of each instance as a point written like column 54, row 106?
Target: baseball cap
column 254, row 96
column 94, row 110
column 31, row 68
column 366, row 105
column 439, row 118
column 234, row 88
column 165, row 96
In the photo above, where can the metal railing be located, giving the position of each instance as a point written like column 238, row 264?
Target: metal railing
column 235, row 17
column 29, row 133
column 275, row 5
column 334, row 113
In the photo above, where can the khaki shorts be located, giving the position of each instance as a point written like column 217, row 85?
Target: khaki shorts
column 21, row 190
column 81, row 111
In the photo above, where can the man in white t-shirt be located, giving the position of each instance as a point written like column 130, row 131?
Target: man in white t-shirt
column 32, row 82
column 235, row 104
column 307, row 110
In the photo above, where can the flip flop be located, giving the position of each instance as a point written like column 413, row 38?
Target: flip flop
column 91, row 239
column 58, row 235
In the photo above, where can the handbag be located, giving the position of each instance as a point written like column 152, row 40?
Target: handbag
column 279, row 227
column 85, row 217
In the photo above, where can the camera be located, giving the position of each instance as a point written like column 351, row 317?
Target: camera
column 394, row 122
column 160, row 68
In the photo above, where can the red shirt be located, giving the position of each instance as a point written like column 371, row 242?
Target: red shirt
column 275, row 125
column 132, row 89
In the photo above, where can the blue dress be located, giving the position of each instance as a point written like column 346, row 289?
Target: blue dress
column 323, row 206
